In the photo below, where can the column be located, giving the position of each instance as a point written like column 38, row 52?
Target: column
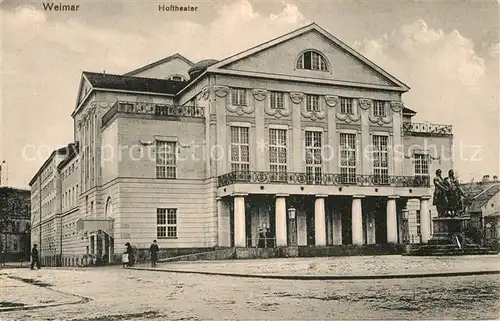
column 425, row 219
column 357, row 220
column 280, row 222
column 239, row 221
column 319, row 220
column 392, row 221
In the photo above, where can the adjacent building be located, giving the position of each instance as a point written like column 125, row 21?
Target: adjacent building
column 300, row 135
column 14, row 224
column 483, row 208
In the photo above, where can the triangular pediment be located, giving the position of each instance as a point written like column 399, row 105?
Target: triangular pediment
column 84, row 88
column 174, row 67
column 279, row 57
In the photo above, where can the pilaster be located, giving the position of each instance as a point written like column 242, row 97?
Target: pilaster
column 260, row 131
column 222, row 152
column 365, row 151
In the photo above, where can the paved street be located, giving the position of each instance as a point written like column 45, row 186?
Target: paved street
column 122, row 294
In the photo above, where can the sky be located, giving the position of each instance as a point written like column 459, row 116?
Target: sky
column 446, row 51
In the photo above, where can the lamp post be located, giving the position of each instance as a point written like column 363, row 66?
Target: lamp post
column 292, row 226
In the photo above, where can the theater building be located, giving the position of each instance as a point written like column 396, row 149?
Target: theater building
column 300, row 135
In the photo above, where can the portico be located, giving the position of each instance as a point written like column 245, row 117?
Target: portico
column 320, row 219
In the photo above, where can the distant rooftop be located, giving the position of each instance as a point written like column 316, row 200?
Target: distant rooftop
column 131, row 83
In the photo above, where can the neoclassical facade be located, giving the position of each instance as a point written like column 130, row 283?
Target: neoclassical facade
column 300, row 136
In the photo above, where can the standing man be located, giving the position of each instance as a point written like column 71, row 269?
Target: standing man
column 34, row 258
column 154, row 249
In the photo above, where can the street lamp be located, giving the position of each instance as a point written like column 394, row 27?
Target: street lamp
column 292, row 227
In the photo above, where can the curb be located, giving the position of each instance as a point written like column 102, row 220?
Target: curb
column 81, row 300
column 41, row 306
column 327, row 277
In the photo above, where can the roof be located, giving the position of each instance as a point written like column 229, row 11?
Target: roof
column 299, row 32
column 408, row 111
column 72, row 154
column 131, row 83
column 159, row 62
column 61, row 150
column 480, row 193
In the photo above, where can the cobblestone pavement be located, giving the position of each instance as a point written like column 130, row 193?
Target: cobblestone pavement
column 353, row 265
column 123, row 294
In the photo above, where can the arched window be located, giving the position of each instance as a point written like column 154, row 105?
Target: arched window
column 312, row 60
column 176, row 77
column 109, row 208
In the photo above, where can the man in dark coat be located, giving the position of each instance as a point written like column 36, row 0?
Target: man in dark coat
column 154, row 249
column 35, row 260
column 130, row 253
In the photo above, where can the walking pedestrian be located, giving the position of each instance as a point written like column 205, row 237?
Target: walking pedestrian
column 154, row 249
column 35, row 260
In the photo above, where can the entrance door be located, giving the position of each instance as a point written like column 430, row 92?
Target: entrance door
column 380, row 227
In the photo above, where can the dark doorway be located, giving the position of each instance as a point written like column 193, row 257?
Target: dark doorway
column 344, row 205
column 380, row 209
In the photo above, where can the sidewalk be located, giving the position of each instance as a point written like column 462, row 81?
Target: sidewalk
column 340, row 268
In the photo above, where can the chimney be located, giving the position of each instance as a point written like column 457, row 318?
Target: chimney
column 486, row 178
column 495, row 178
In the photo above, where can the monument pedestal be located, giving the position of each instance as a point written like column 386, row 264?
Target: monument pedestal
column 447, row 230
column 448, row 238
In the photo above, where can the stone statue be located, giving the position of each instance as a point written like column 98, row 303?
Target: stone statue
column 440, row 199
column 454, row 194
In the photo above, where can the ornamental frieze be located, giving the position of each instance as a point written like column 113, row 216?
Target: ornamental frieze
column 220, row 91
column 296, row 97
column 241, row 110
column 331, row 101
column 365, row 103
column 278, row 113
column 205, row 93
column 379, row 120
column 313, row 115
column 396, row 106
column 259, row 94
column 348, row 118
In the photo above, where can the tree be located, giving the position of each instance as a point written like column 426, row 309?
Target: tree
column 14, row 207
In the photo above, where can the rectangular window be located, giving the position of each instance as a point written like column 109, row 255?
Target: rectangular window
column 380, row 160
column 313, row 151
column 421, row 164
column 277, row 99
column 278, row 154
column 421, row 167
column 240, row 149
column 238, row 97
column 379, row 108
column 348, row 157
column 166, row 159
column 166, row 223
column 312, row 102
column 346, row 106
